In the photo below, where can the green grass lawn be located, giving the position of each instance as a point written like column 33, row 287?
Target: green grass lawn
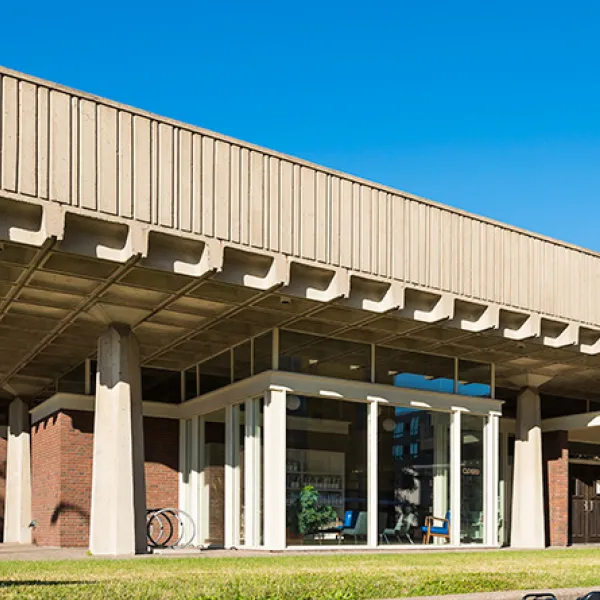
column 323, row 577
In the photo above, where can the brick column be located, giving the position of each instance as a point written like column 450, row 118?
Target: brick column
column 556, row 471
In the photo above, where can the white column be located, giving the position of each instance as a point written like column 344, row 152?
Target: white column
column 372, row 474
column 232, row 476
column 441, row 469
column 195, row 469
column 202, row 491
column 491, row 479
column 274, row 502
column 118, row 512
column 17, row 502
column 455, row 476
column 252, row 474
column 527, row 522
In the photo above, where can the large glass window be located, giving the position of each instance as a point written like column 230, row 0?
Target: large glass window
column 471, row 478
column 413, row 370
column 326, row 477
column 328, row 357
column 214, row 478
column 474, row 378
column 413, row 480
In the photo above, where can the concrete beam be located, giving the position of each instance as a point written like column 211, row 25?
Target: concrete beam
column 17, row 503
column 118, row 514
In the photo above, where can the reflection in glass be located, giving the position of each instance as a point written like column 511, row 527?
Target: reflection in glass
column 413, row 370
column 214, row 478
column 326, row 464
column 471, row 480
column 413, row 482
column 327, row 357
column 474, row 379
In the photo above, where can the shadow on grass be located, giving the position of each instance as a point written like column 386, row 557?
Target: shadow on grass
column 42, row 582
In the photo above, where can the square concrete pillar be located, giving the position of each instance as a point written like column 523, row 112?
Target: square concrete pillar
column 118, row 512
column 17, row 502
column 528, row 520
column 274, row 468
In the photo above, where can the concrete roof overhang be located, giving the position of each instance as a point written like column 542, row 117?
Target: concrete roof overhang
column 199, row 242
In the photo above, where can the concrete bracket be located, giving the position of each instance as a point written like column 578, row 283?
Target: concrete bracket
column 183, row 256
column 373, row 295
column 432, row 309
column 31, row 224
column 257, row 270
column 567, row 337
column 317, row 283
column 529, row 327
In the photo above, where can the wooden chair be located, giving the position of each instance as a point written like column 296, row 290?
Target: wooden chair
column 430, row 530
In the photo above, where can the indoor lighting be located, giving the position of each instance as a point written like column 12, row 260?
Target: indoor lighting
column 388, row 424
column 354, row 367
column 392, row 372
column 292, row 402
column 312, row 361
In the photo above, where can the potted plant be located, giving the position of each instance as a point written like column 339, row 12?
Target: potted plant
column 306, row 516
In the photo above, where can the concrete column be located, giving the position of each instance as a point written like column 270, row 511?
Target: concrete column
column 17, row 503
column 252, row 468
column 372, row 474
column 118, row 514
column 232, row 476
column 274, row 500
column 527, row 522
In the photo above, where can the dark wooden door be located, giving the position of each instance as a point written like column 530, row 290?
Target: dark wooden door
column 578, row 505
column 585, row 504
column 594, row 507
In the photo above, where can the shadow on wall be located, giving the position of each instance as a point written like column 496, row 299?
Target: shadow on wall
column 64, row 507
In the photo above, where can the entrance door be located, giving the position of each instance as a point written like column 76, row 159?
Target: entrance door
column 585, row 504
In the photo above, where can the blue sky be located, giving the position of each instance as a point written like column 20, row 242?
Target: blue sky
column 492, row 107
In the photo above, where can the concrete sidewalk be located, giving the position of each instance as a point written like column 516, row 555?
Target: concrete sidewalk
column 561, row 594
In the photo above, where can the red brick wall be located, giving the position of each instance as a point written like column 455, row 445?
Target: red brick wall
column 62, row 450
column 556, row 474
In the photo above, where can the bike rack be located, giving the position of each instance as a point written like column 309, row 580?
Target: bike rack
column 169, row 528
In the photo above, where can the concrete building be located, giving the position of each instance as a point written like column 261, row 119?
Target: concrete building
column 190, row 321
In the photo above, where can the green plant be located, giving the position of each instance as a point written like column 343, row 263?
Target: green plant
column 307, row 516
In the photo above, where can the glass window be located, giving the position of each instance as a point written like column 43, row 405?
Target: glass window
column 326, row 471
column 413, row 480
column 414, row 426
column 413, row 370
column 263, row 352
column 242, row 361
column 215, row 372
column 474, row 378
column 399, row 430
column 159, row 385
column 74, row 381
column 191, row 383
column 471, row 518
column 214, row 478
column 328, row 357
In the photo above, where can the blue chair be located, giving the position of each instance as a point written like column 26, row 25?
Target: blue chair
column 430, row 531
column 350, row 517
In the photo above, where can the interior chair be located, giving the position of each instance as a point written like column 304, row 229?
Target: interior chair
column 430, row 530
column 402, row 529
column 359, row 529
